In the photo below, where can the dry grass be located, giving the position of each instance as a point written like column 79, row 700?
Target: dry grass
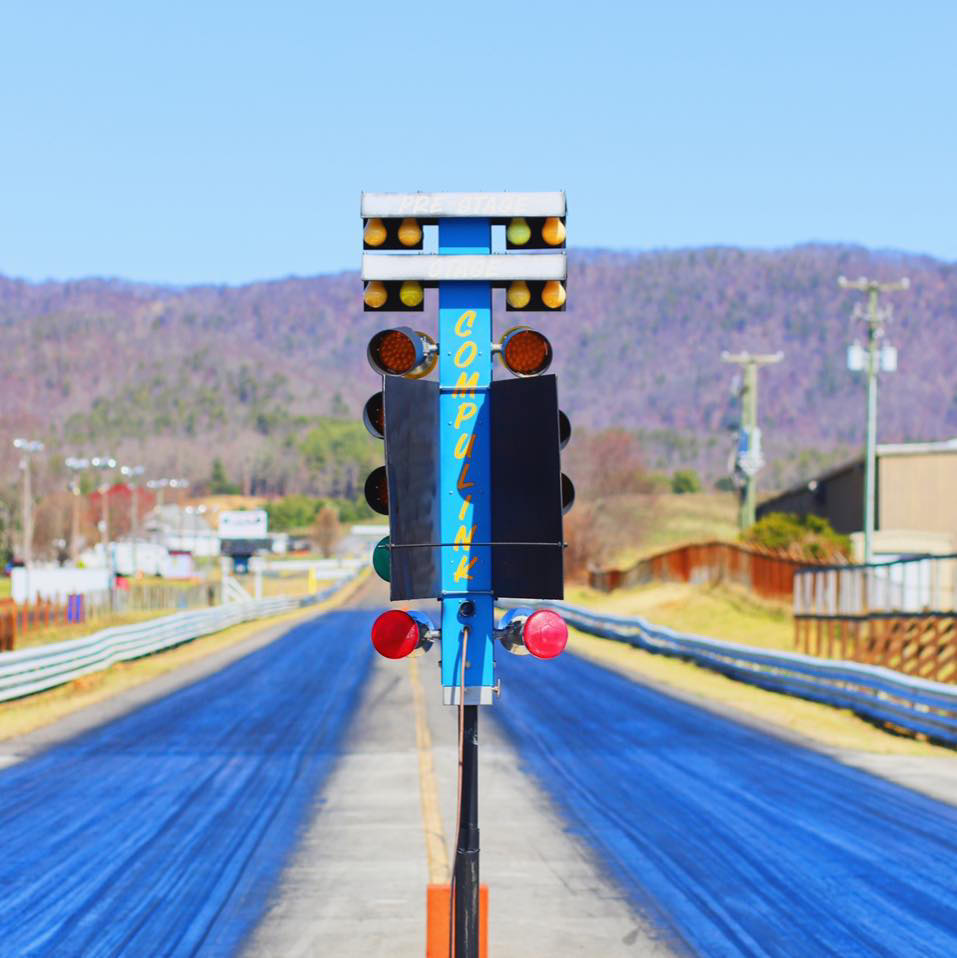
column 25, row 715
column 721, row 611
column 76, row 630
column 673, row 520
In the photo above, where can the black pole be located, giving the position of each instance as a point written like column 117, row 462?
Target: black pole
column 467, row 852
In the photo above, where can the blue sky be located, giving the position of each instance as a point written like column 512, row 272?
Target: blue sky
column 226, row 142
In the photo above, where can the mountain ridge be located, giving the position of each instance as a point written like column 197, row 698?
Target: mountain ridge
column 638, row 347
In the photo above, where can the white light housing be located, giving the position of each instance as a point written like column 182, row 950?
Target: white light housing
column 461, row 205
column 489, row 267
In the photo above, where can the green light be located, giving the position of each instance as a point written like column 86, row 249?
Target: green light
column 382, row 559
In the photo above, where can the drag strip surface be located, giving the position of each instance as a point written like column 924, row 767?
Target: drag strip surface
column 736, row 842
column 163, row 832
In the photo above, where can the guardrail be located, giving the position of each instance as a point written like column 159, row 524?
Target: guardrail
column 908, row 703
column 27, row 671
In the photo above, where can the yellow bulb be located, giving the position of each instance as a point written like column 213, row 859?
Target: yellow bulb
column 518, row 295
column 553, row 295
column 411, row 294
column 518, row 232
column 410, row 233
column 375, row 233
column 553, row 231
column 375, row 294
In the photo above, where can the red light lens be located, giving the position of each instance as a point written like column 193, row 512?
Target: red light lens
column 395, row 634
column 545, row 634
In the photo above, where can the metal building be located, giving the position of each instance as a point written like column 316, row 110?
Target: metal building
column 916, row 508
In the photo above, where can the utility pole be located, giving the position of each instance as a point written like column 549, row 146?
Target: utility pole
column 876, row 317
column 76, row 466
column 749, row 460
column 27, row 447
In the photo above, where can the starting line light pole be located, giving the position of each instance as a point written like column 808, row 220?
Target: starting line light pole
column 472, row 481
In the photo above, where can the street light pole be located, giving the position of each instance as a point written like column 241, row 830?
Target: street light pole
column 27, row 447
column 749, row 459
column 876, row 318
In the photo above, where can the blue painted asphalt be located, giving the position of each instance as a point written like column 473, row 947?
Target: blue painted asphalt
column 734, row 842
column 162, row 833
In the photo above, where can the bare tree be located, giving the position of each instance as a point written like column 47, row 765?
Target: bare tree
column 326, row 530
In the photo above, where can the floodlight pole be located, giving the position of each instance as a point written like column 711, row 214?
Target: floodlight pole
column 875, row 318
column 749, row 363
column 76, row 466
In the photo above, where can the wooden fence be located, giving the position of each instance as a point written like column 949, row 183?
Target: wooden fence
column 20, row 619
column 46, row 613
column 708, row 563
column 924, row 645
column 901, row 615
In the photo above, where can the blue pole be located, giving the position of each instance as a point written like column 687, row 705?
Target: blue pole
column 465, row 375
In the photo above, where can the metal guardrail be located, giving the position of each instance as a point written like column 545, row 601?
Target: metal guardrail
column 875, row 692
column 27, row 671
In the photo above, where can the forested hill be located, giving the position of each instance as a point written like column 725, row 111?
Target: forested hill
column 169, row 374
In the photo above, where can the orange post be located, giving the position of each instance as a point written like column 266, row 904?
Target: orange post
column 437, row 930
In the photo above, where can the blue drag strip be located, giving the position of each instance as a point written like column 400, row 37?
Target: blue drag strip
column 732, row 841
column 163, row 833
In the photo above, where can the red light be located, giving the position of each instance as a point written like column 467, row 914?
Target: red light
column 395, row 634
column 545, row 634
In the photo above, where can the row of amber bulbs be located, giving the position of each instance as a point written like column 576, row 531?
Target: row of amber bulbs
column 518, row 296
column 518, row 232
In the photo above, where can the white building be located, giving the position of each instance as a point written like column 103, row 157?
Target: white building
column 182, row 530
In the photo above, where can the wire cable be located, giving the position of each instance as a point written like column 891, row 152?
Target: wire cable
column 458, row 813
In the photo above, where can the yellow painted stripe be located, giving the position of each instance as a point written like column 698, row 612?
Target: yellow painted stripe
column 435, row 848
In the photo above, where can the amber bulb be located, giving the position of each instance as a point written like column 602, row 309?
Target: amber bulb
column 553, row 231
column 411, row 294
column 375, row 232
column 410, row 233
column 375, row 294
column 553, row 294
column 518, row 232
column 518, row 295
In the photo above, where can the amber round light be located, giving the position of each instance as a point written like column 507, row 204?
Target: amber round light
column 393, row 352
column 527, row 352
column 377, row 491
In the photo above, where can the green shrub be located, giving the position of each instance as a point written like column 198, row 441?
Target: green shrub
column 685, row 480
column 802, row 537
